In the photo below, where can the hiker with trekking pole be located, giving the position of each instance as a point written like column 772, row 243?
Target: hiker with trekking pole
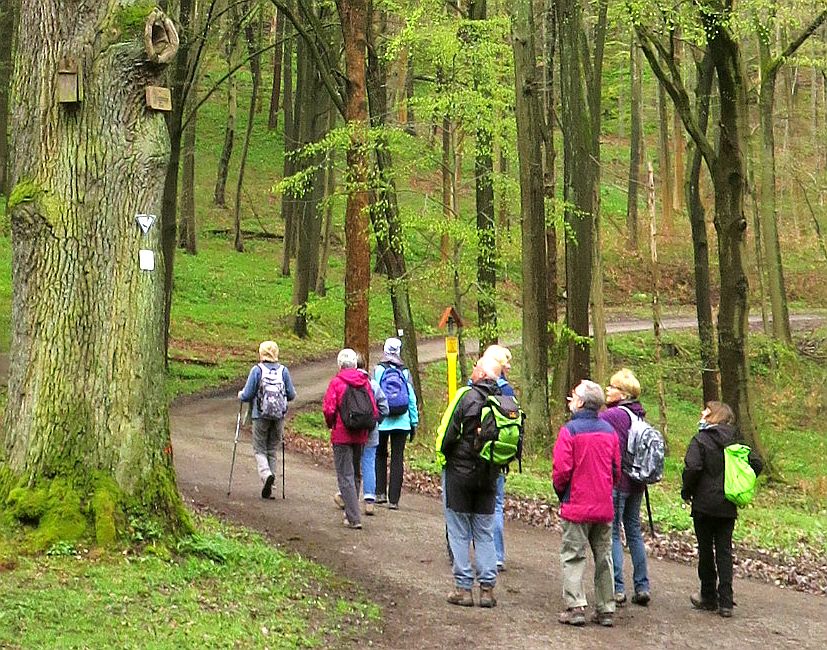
column 269, row 388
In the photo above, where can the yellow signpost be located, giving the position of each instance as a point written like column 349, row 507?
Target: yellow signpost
column 451, row 320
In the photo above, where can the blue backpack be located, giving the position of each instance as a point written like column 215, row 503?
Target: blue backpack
column 395, row 386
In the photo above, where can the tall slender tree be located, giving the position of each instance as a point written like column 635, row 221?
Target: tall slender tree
column 528, row 111
column 7, row 20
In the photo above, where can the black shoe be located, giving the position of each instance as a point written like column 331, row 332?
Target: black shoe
column 641, row 598
column 725, row 612
column 606, row 619
column 381, row 498
column 267, row 490
column 700, row 603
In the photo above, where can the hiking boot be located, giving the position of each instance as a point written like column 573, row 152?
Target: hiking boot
column 339, row 501
column 349, row 524
column 606, row 619
column 700, row 603
column 725, row 612
column 267, row 490
column 381, row 498
column 369, row 508
column 393, row 506
column 462, row 597
column 620, row 598
column 641, row 598
column 573, row 616
column 500, row 567
column 487, row 598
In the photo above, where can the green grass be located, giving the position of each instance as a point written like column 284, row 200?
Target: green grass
column 226, row 588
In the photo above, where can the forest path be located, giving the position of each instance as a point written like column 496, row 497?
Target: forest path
column 399, row 557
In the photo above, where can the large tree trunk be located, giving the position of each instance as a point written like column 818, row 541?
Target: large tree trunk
column 700, row 242
column 175, row 118
column 528, row 111
column 550, row 153
column 278, row 52
column 387, row 224
column 7, row 18
column 86, row 419
column 486, row 231
column 353, row 15
column 635, row 144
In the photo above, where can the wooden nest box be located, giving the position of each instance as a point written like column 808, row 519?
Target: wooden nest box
column 69, row 82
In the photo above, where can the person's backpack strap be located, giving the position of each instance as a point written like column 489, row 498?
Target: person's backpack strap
column 445, row 423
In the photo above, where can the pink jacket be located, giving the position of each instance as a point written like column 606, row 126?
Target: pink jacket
column 586, row 468
column 339, row 435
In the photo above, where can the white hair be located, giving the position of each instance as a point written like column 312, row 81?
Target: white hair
column 346, row 358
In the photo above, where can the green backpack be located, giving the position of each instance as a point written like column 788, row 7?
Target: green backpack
column 500, row 436
column 739, row 477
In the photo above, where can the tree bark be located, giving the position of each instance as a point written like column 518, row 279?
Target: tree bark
column 327, row 228
column 278, row 54
column 7, row 29
column 635, row 145
column 678, row 142
column 484, row 199
column 87, row 413
column 251, row 37
column 187, row 236
column 656, row 313
column 169, row 206
column 550, row 155
column 387, row 224
column 229, row 46
column 288, row 204
column 353, row 15
column 528, row 111
column 664, row 160
column 700, row 243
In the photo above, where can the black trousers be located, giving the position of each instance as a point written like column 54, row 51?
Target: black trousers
column 715, row 558
column 393, row 488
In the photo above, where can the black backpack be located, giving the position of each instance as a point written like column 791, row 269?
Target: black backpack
column 356, row 409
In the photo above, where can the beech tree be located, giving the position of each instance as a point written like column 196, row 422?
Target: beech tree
column 85, row 436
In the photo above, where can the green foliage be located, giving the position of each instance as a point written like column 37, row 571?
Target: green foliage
column 130, row 18
column 225, row 588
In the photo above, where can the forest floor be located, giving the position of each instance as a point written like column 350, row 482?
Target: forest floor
column 399, row 557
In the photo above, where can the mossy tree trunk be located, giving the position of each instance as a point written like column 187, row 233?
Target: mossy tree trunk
column 87, row 407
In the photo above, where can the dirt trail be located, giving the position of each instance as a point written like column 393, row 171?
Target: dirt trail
column 399, row 556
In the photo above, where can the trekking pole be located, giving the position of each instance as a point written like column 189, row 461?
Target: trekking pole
column 282, row 464
column 235, row 446
column 649, row 511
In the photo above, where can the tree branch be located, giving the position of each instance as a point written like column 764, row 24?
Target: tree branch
column 797, row 42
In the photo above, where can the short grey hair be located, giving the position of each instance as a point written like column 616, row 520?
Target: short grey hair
column 346, row 358
column 591, row 394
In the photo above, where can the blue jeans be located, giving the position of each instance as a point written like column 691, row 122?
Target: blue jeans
column 463, row 527
column 369, row 473
column 499, row 520
column 627, row 514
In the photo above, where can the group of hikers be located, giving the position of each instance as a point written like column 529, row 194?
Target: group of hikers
column 599, row 481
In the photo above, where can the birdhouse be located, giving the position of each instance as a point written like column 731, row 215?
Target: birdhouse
column 450, row 319
column 158, row 98
column 69, row 82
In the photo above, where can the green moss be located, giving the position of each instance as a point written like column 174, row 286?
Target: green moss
column 63, row 519
column 130, row 19
column 105, row 511
column 25, row 191
column 27, row 504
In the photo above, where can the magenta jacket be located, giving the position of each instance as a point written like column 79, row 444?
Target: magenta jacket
column 339, row 435
column 586, row 468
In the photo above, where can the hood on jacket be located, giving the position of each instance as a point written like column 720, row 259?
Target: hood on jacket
column 632, row 404
column 722, row 435
column 354, row 377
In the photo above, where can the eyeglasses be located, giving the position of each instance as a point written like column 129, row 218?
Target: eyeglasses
column 615, row 387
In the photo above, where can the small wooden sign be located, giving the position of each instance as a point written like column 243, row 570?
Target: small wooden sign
column 158, row 98
column 450, row 317
column 69, row 86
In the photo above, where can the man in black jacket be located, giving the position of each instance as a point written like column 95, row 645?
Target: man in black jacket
column 470, row 487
